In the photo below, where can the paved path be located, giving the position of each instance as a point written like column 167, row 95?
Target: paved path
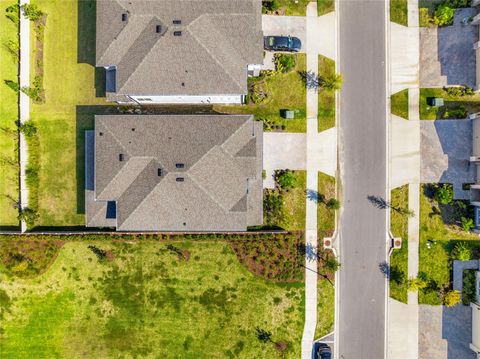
column 24, row 106
column 362, row 126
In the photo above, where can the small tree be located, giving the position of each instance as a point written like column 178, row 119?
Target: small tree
column 452, row 298
column 444, row 15
column 444, row 194
column 285, row 179
column 331, row 264
column 461, row 252
column 467, row 224
column 284, row 62
column 28, row 129
column 331, row 82
column 29, row 216
column 333, row 203
column 32, row 12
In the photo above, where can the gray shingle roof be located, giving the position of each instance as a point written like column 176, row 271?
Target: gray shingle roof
column 219, row 38
column 219, row 159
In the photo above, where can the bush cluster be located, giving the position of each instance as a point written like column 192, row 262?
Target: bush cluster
column 459, row 91
column 284, row 62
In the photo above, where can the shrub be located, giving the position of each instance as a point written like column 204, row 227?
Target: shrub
column 13, row 85
column 457, row 112
column 12, row 13
column 452, row 298
column 459, row 91
column 32, row 12
column 459, row 3
column 259, row 92
column 285, row 179
column 461, row 252
column 28, row 129
column 331, row 264
column 444, row 194
column 273, row 207
column 468, row 290
column 28, row 215
column 444, row 15
column 331, row 82
column 284, row 62
column 333, row 203
column 270, row 5
column 414, row 284
column 467, row 224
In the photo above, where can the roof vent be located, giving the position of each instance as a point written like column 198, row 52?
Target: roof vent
column 158, row 29
column 177, row 33
column 124, row 16
column 180, row 165
column 100, row 133
column 120, row 157
column 177, row 22
column 180, row 179
column 183, row 84
column 159, row 172
column 133, row 128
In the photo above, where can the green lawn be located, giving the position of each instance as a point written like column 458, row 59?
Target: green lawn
column 399, row 12
column 194, row 300
column 399, row 258
column 8, row 116
column 295, row 204
column 288, row 91
column 69, row 81
column 325, row 308
column 437, row 239
column 325, row 6
column 469, row 103
column 326, row 99
column 325, row 216
column 290, row 7
column 399, row 104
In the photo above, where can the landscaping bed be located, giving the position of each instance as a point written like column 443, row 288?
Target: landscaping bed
column 278, row 91
column 326, row 98
column 208, row 304
column 399, row 257
column 455, row 106
column 441, row 241
column 285, row 7
column 9, row 185
column 325, row 215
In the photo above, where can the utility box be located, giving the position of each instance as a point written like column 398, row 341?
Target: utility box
column 287, row 114
column 435, row 101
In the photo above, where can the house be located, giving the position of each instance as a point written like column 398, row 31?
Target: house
column 178, row 51
column 174, row 172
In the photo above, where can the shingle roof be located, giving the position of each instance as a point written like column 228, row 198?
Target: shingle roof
column 219, row 38
column 218, row 158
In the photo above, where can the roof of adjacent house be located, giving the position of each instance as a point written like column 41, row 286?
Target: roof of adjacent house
column 179, row 172
column 216, row 40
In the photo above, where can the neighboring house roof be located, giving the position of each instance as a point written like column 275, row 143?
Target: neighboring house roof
column 178, row 172
column 219, row 38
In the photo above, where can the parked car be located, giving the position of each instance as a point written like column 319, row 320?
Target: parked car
column 324, row 351
column 282, row 43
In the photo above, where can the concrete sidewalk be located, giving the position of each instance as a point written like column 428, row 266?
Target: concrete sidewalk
column 24, row 81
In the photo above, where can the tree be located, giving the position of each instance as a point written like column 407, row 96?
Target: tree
column 461, row 252
column 32, row 12
column 263, row 335
column 331, row 82
column 452, row 298
column 444, row 194
column 28, row 215
column 331, row 264
column 28, row 129
column 285, row 179
column 333, row 203
column 467, row 224
column 444, row 15
column 414, row 284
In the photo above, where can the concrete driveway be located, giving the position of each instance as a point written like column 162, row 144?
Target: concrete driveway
column 286, row 25
column 445, row 333
column 447, row 56
column 446, row 146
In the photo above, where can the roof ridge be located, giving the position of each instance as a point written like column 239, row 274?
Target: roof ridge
column 246, row 123
column 208, row 50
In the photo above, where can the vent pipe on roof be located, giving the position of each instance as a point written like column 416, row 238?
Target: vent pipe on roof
column 177, row 22
column 124, row 16
column 177, row 33
column 158, row 29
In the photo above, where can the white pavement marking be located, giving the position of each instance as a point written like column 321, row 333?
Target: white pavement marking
column 24, row 105
column 405, row 151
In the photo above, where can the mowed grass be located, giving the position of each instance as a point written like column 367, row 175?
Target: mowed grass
column 325, row 6
column 399, row 228
column 294, row 204
column 399, row 104
column 288, row 91
column 147, row 301
column 325, row 216
column 69, row 81
column 399, row 12
column 8, row 116
column 326, row 99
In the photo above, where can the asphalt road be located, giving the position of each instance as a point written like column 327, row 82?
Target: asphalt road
column 361, row 325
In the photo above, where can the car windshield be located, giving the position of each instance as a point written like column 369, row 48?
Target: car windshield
column 271, row 41
column 290, row 42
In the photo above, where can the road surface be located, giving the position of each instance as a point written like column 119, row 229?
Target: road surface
column 361, row 325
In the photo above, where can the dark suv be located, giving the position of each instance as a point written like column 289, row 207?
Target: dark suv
column 282, row 43
column 324, row 351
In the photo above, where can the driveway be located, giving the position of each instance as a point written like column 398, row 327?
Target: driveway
column 446, row 146
column 445, row 333
column 286, row 25
column 447, row 56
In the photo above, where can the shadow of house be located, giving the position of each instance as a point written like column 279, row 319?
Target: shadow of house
column 456, row 52
column 446, row 148
column 457, row 331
